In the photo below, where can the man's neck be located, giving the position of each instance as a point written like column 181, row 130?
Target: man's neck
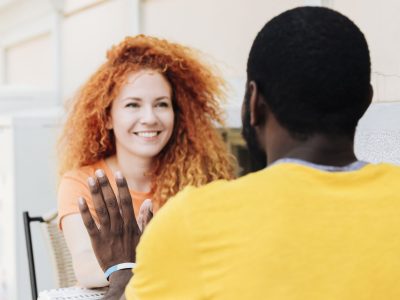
column 318, row 149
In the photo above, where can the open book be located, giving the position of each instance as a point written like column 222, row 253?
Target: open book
column 72, row 293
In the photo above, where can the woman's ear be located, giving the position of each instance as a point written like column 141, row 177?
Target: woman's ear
column 109, row 125
column 257, row 106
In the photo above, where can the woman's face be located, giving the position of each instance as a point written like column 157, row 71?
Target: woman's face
column 142, row 116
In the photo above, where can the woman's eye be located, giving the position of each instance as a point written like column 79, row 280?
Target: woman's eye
column 163, row 104
column 132, row 104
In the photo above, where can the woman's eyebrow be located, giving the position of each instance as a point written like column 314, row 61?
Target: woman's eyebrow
column 132, row 98
column 162, row 98
column 140, row 99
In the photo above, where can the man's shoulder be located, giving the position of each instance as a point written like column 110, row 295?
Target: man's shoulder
column 387, row 167
column 198, row 209
column 270, row 181
column 196, row 198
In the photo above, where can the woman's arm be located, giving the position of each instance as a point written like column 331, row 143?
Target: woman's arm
column 87, row 269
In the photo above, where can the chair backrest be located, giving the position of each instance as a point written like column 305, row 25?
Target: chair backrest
column 61, row 257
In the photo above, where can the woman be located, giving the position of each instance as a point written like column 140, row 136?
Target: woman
column 149, row 112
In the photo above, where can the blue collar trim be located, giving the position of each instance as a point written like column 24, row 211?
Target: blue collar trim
column 357, row 165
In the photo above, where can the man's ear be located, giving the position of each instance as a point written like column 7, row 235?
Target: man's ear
column 258, row 109
column 371, row 93
column 369, row 99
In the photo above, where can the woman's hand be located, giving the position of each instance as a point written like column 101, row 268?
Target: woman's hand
column 115, row 240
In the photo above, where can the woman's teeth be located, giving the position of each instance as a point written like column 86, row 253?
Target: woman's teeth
column 147, row 134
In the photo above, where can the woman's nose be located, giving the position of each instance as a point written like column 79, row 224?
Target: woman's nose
column 148, row 116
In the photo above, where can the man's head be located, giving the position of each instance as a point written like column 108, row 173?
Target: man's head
column 310, row 67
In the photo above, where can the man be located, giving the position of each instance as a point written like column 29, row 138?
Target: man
column 315, row 224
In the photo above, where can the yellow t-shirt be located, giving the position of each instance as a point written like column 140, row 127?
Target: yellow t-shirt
column 287, row 232
column 74, row 185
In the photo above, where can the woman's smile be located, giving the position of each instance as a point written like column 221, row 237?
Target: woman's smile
column 148, row 135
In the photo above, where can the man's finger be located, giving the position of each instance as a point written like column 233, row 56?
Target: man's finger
column 125, row 200
column 87, row 217
column 145, row 214
column 110, row 200
column 99, row 204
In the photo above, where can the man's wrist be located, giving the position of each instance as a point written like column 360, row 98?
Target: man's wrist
column 121, row 276
column 117, row 267
column 118, row 281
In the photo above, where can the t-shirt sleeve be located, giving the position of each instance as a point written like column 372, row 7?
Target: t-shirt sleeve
column 72, row 186
column 166, row 258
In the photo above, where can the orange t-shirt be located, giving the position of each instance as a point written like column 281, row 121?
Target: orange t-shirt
column 74, row 185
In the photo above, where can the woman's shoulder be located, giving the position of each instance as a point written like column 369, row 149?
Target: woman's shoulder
column 74, row 183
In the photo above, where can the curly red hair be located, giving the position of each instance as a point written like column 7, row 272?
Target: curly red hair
column 195, row 154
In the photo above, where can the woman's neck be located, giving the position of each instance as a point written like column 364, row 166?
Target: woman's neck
column 134, row 169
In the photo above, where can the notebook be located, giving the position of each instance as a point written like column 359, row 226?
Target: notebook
column 72, row 293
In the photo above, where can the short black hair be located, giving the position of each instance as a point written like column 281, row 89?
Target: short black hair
column 313, row 68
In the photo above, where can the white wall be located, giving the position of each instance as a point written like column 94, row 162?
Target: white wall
column 19, row 13
column 34, row 53
column 87, row 35
column 23, row 26
column 379, row 21
column 224, row 29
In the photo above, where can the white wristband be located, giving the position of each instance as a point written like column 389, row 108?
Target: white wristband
column 115, row 268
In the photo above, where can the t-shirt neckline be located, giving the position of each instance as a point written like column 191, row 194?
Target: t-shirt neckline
column 354, row 166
